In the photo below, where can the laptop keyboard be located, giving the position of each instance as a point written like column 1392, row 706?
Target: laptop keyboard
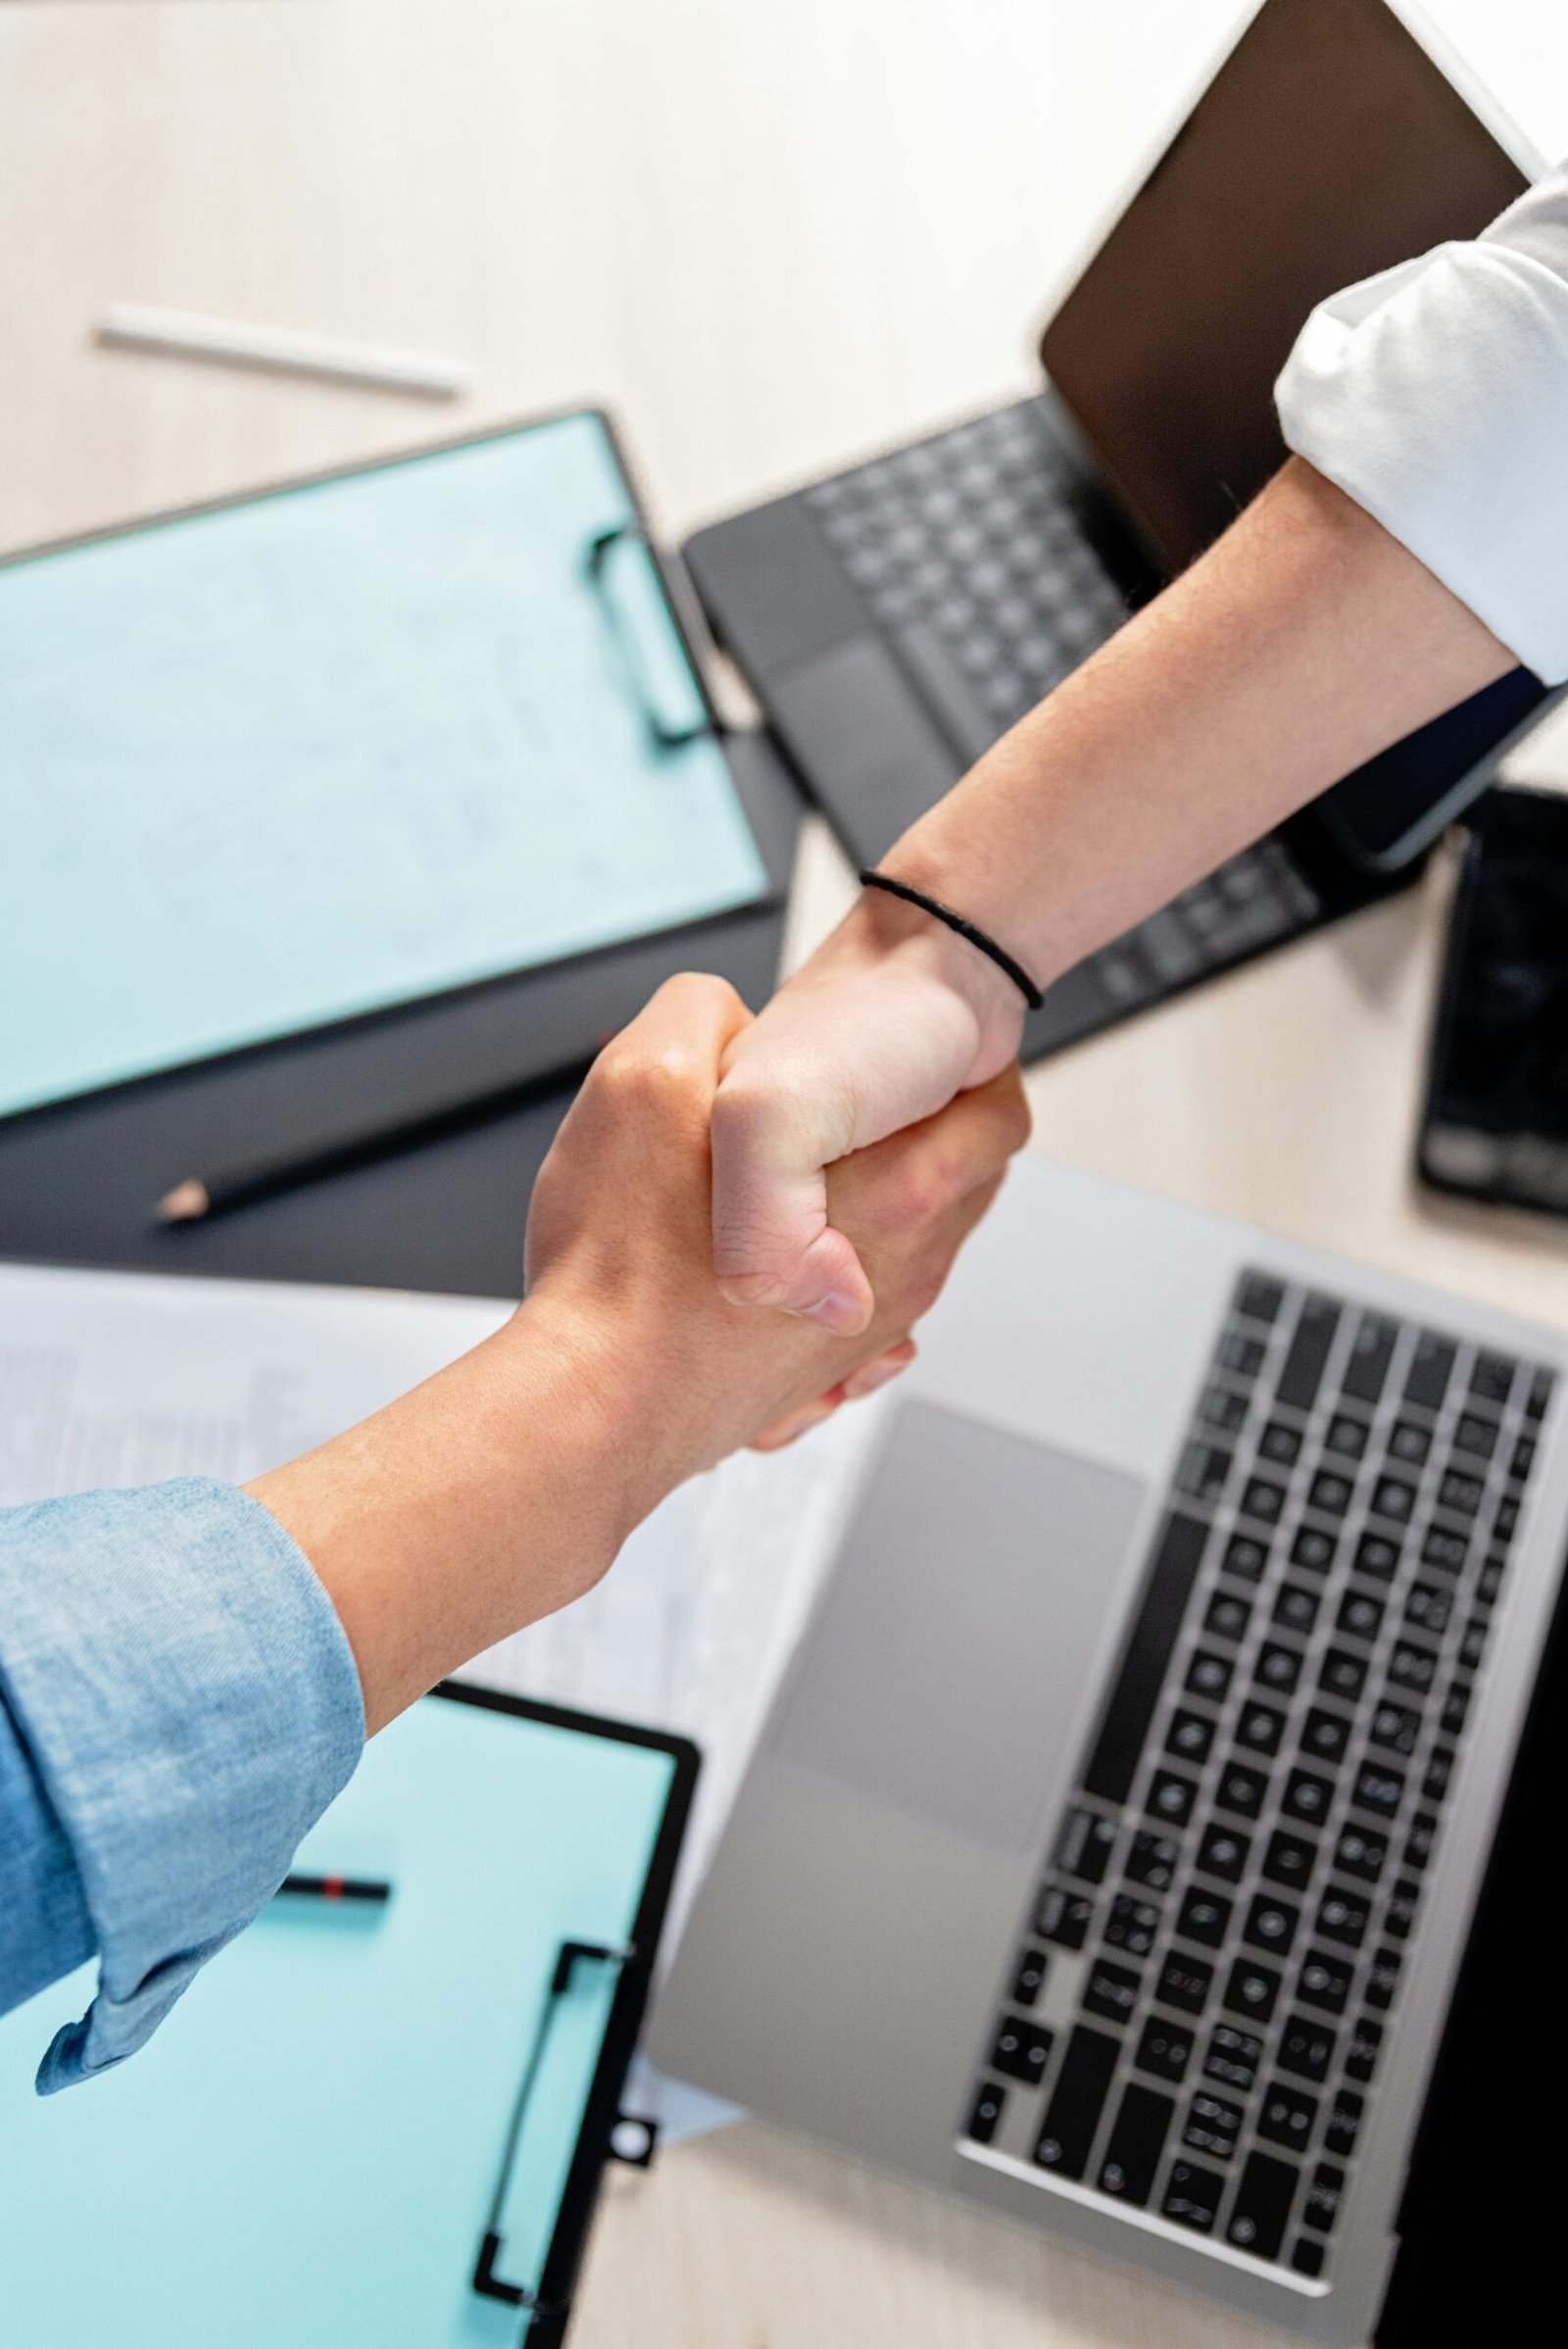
column 1195, row 2021
column 969, row 552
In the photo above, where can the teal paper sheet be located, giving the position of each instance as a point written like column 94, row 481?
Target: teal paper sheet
column 306, row 2152
column 336, row 748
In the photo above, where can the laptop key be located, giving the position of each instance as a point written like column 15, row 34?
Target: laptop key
column 1325, row 1980
column 984, row 2114
column 1377, row 1557
column 1028, row 1978
column 1343, row 1674
column 1165, row 2048
column 1371, row 1352
column 1362, row 2055
column 1153, row 1859
column 1344, row 2124
column 1260, row 1729
column 1085, row 1848
column 1322, row 2205
column 1423, row 1836
column 1343, row 1916
column 1137, row 2140
column 1307, row 2048
column 1262, row 2206
column 1203, row 1917
column 1313, row 1548
column 1252, row 1990
column 1242, row 1789
column 1021, row 2050
column 1278, row 1666
column 1118, row 1748
column 1190, row 1736
column 1132, row 1926
column 1233, row 2056
column 1308, row 1797
column 1223, row 1853
column 1072, row 2116
column 1290, row 1860
column 1325, row 1735
column 1185, row 1982
column 1395, row 1726
column 1287, row 2117
column 1213, row 2126
column 1111, row 1991
column 1193, row 2196
column 1378, row 1790
column 1427, row 1380
column 1064, row 1917
column 1308, row 1352
column 1271, row 1924
column 1360, row 1851
column 1383, row 1980
column 1259, row 1296
column 1208, row 1675
column 1171, row 1797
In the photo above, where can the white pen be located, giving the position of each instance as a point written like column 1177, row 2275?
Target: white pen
column 135, row 326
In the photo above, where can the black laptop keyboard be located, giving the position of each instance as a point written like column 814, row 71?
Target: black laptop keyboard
column 969, row 551
column 1195, row 2021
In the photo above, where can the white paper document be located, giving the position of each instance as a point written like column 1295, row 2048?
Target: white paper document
column 117, row 1379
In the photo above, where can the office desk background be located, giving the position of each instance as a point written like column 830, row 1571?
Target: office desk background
column 773, row 238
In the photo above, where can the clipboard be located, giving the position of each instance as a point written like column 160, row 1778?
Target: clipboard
column 371, row 2125
column 288, row 760
column 78, row 1178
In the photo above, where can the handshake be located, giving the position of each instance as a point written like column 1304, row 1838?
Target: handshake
column 736, row 1256
column 738, row 1226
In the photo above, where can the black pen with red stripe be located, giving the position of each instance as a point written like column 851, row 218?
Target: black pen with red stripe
column 369, row 1888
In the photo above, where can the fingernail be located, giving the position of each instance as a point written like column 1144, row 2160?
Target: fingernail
column 790, row 1431
column 844, row 1315
column 862, row 1383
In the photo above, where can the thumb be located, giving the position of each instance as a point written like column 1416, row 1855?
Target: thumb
column 772, row 1241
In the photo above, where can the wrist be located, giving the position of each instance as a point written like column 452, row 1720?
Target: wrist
column 899, row 935
column 575, row 1386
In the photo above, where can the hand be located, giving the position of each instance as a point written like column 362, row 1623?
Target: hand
column 618, row 1237
column 890, row 1019
column 504, row 1486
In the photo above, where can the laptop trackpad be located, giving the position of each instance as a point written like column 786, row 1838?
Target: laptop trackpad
column 944, row 1673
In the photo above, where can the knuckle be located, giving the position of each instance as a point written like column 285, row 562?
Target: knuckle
column 914, row 1201
column 650, row 1078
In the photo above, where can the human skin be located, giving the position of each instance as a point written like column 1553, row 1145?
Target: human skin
column 503, row 1488
column 1306, row 639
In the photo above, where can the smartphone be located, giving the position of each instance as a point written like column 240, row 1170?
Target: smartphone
column 1496, row 1123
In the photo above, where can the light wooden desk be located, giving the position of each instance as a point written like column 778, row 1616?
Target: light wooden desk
column 772, row 237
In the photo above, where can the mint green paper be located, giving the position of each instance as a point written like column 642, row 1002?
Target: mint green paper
column 306, row 2152
column 337, row 747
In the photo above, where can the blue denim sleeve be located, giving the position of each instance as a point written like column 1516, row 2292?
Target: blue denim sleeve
column 177, row 1704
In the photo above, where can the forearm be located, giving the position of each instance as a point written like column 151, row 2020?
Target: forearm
column 1305, row 640
column 489, row 1496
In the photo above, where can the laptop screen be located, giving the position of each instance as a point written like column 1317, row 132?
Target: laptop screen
column 1329, row 145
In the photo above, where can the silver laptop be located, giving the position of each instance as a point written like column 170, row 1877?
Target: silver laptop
column 1110, row 1852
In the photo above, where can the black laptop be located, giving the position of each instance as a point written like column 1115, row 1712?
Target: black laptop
column 897, row 618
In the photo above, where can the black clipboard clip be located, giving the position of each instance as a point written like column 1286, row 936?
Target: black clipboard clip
column 665, row 733
column 486, row 2278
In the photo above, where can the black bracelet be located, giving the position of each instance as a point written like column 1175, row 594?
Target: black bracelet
column 965, row 929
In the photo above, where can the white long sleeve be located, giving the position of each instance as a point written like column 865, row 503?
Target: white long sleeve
column 1435, row 394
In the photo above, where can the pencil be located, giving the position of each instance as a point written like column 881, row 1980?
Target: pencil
column 281, row 350
column 198, row 1197
column 338, row 1887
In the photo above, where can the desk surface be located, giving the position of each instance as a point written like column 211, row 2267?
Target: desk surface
column 773, row 238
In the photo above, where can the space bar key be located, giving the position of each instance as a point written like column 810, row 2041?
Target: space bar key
column 1167, row 1587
